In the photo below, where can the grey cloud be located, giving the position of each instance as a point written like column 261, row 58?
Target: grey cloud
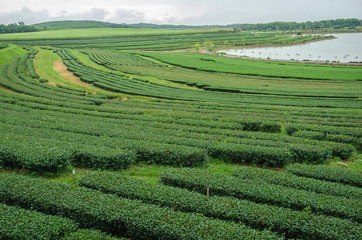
column 127, row 16
column 26, row 15
column 94, row 14
column 200, row 12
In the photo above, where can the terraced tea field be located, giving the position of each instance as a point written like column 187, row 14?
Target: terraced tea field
column 167, row 145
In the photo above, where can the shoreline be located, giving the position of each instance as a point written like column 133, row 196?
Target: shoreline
column 274, row 45
column 284, row 60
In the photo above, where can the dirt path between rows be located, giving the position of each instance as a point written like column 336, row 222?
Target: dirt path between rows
column 60, row 67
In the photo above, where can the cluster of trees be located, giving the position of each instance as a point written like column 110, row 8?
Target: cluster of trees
column 16, row 28
column 285, row 26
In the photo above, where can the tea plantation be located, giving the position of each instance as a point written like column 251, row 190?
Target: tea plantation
column 136, row 135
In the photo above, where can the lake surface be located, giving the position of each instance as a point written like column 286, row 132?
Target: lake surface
column 345, row 48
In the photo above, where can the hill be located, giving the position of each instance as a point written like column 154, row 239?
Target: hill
column 71, row 24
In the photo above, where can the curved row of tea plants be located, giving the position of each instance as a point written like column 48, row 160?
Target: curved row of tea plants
column 294, row 224
column 236, row 149
column 17, row 223
column 119, row 216
column 223, row 185
column 338, row 175
column 293, row 181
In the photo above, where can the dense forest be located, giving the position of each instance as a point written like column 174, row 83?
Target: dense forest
column 17, row 28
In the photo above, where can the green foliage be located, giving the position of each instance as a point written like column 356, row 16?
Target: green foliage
column 43, row 80
column 345, row 139
column 315, row 25
column 260, row 216
column 55, row 25
column 256, row 68
column 41, row 156
column 332, row 174
column 17, row 223
column 120, row 216
column 89, row 234
column 293, row 181
column 16, row 28
column 222, row 185
column 309, row 134
column 10, row 52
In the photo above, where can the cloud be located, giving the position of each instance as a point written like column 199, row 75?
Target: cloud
column 191, row 12
column 26, row 15
column 127, row 16
column 97, row 14
column 29, row 16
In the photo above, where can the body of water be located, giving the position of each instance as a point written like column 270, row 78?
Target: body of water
column 347, row 47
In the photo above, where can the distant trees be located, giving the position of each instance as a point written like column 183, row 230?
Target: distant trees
column 16, row 28
column 287, row 26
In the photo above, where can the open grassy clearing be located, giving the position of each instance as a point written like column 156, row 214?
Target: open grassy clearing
column 95, row 33
column 230, row 82
column 151, row 125
column 50, row 66
column 260, row 68
column 10, row 52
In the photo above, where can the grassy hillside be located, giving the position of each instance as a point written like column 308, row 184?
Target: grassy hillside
column 9, row 53
column 57, row 25
column 259, row 68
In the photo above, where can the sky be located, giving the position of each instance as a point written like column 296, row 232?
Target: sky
column 189, row 12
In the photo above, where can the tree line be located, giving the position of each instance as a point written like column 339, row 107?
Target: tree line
column 16, row 28
column 285, row 26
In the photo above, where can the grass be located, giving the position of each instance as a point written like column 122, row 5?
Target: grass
column 85, row 59
column 44, row 65
column 151, row 172
column 9, row 53
column 96, row 33
column 259, row 68
column 355, row 163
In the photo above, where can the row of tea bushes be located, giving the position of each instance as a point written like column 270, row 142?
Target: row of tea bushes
column 293, row 181
column 119, row 216
column 44, row 155
column 90, row 147
column 223, row 185
column 17, row 223
column 350, row 135
column 238, row 150
column 331, row 174
column 20, row 224
column 294, row 224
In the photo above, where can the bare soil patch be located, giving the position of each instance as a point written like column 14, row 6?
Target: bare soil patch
column 60, row 67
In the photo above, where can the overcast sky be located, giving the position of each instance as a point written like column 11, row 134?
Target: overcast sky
column 190, row 12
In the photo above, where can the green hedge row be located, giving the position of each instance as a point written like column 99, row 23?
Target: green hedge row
column 294, row 224
column 17, row 223
column 53, row 155
column 353, row 132
column 23, row 152
column 146, row 150
column 345, row 139
column 244, row 152
column 331, row 174
column 90, row 234
column 273, row 156
column 21, row 82
column 339, row 138
column 293, row 181
column 309, row 134
column 119, row 216
column 223, row 185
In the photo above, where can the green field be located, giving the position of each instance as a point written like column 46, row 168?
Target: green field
column 173, row 145
column 9, row 53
